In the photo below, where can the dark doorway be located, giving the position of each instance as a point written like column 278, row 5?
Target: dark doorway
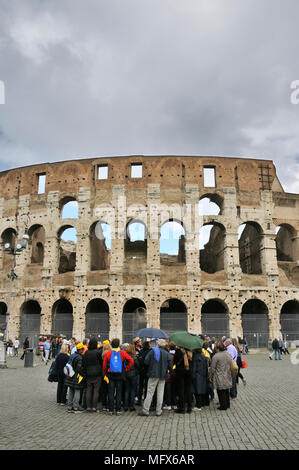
column 173, row 316
column 255, row 323
column 62, row 318
column 134, row 318
column 214, row 319
column 30, row 322
column 97, row 319
column 289, row 320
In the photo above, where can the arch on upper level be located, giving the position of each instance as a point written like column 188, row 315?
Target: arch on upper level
column 99, row 245
column 212, row 246
column 250, row 247
column 172, row 241
column 67, row 240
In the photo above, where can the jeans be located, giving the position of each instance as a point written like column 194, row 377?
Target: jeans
column 275, row 354
column 74, row 398
column 130, row 391
column 233, row 390
column 114, row 386
column 153, row 384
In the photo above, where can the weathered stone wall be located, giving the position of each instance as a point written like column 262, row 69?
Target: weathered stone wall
column 244, row 187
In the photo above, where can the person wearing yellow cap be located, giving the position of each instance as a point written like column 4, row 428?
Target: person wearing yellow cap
column 76, row 383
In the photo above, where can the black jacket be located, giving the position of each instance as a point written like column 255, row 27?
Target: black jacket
column 75, row 381
column 61, row 360
column 93, row 363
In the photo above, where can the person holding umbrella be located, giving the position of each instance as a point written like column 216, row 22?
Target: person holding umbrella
column 186, row 342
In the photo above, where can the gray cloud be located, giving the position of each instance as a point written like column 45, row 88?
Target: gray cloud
column 152, row 77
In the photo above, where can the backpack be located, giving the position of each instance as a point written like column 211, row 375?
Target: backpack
column 116, row 364
column 68, row 368
column 53, row 373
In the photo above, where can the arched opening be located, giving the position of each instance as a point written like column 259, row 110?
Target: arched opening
column 210, row 204
column 173, row 316
column 289, row 320
column 211, row 245
column 69, row 208
column 97, row 319
column 9, row 236
column 30, row 322
column 67, row 237
column 135, row 242
column 172, row 242
column 250, row 246
column 37, row 241
column 214, row 319
column 62, row 318
column 285, row 243
column 134, row 318
column 100, row 246
column 3, row 318
column 255, row 323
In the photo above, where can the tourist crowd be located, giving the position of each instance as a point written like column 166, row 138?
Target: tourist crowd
column 153, row 374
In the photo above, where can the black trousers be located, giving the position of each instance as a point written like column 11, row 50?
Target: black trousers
column 184, row 390
column 202, row 400
column 92, row 391
column 223, row 396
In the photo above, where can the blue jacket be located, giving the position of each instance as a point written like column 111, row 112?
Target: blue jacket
column 158, row 368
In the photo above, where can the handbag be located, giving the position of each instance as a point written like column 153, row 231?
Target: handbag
column 244, row 364
column 233, row 368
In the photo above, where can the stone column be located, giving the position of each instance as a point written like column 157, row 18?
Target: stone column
column 231, row 249
column 83, row 248
column 192, row 222
column 268, row 258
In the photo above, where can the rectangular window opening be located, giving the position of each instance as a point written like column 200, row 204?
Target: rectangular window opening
column 136, row 170
column 209, row 177
column 41, row 183
column 102, row 172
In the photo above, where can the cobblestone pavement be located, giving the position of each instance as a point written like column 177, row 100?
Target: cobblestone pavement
column 265, row 415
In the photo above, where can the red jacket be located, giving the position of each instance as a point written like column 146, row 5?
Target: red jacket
column 124, row 357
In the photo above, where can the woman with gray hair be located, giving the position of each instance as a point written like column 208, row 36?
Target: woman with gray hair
column 220, row 375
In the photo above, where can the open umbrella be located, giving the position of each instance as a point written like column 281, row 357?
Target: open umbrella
column 186, row 340
column 151, row 333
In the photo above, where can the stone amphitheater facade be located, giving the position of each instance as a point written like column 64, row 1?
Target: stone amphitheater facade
column 85, row 287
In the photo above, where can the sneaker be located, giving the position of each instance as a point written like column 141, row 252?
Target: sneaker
column 196, row 409
column 159, row 413
column 174, row 407
column 70, row 410
column 78, row 410
column 167, row 408
column 118, row 413
column 110, row 413
column 143, row 413
column 244, row 381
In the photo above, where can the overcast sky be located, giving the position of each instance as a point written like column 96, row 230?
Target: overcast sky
column 88, row 78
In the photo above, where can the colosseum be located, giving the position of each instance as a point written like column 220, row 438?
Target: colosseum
column 208, row 244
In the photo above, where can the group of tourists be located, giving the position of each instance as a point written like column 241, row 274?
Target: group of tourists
column 155, row 374
column 277, row 348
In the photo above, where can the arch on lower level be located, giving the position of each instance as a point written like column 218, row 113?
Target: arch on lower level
column 255, row 323
column 289, row 320
column 215, row 319
column 133, row 319
column 62, row 318
column 97, row 319
column 173, row 316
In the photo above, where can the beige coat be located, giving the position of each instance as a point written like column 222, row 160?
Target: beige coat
column 220, row 371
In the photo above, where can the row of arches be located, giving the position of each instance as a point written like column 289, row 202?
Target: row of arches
column 212, row 245
column 173, row 316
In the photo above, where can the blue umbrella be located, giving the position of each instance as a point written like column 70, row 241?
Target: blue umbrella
column 151, row 333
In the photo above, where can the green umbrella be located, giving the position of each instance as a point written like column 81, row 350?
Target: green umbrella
column 186, row 340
